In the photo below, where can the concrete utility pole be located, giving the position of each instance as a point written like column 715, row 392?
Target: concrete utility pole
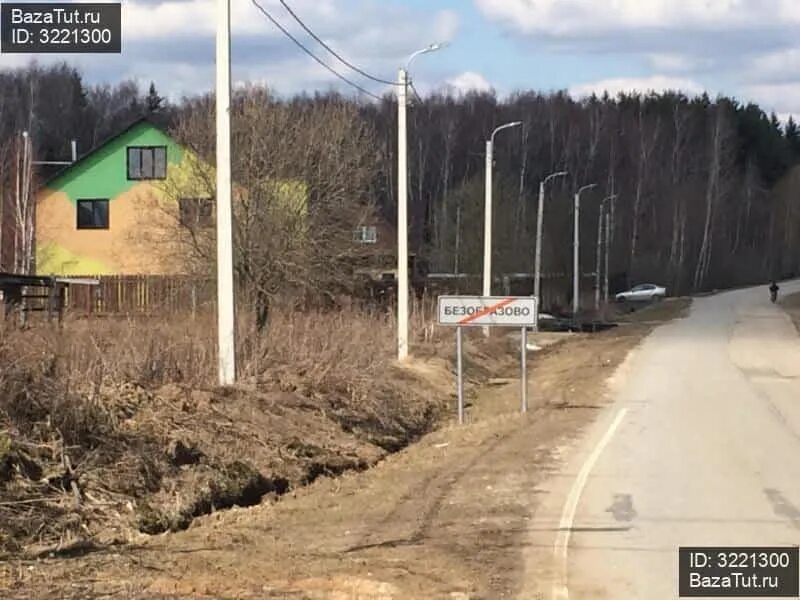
column 537, row 267
column 487, row 218
column 609, row 240
column 576, row 259
column 402, row 217
column 600, row 243
column 225, row 296
column 402, row 203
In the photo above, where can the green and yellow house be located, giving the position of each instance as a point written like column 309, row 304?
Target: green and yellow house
column 120, row 209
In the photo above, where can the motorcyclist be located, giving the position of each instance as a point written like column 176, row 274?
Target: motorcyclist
column 773, row 291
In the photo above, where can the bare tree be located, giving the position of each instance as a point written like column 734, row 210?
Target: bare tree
column 303, row 176
column 23, row 208
column 648, row 134
column 720, row 133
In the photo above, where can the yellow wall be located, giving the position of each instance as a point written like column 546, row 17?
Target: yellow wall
column 144, row 235
column 142, row 238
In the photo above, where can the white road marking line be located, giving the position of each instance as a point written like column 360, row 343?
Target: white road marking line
column 561, row 545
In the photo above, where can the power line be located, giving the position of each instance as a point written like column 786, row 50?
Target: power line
column 311, row 54
column 416, row 93
column 331, row 50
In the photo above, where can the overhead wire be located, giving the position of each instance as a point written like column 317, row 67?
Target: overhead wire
column 416, row 93
column 321, row 62
column 338, row 56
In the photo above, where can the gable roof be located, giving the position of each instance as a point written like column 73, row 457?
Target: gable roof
column 135, row 123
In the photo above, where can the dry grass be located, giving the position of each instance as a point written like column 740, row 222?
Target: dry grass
column 91, row 414
column 152, row 351
column 665, row 310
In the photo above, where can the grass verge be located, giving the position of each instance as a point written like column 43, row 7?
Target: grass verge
column 114, row 428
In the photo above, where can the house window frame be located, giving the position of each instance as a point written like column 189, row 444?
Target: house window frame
column 199, row 221
column 153, row 149
column 80, row 227
column 365, row 234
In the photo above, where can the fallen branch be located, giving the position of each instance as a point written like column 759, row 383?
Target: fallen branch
column 73, row 548
column 27, row 501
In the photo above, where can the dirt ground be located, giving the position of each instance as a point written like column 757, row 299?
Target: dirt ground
column 444, row 518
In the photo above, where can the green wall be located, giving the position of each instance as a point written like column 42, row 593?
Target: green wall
column 104, row 173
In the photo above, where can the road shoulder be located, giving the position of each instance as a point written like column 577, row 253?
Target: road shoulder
column 450, row 517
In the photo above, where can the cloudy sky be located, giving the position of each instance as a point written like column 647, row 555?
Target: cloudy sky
column 746, row 48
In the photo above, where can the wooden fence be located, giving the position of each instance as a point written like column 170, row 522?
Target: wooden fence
column 141, row 294
column 172, row 294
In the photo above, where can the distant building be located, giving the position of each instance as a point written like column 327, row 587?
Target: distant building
column 119, row 209
column 377, row 260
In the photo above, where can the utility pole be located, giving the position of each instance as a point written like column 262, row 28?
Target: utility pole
column 225, row 296
column 600, row 243
column 402, row 217
column 537, row 267
column 402, row 203
column 610, row 227
column 576, row 259
column 487, row 225
column 487, row 218
column 607, row 240
column 597, row 274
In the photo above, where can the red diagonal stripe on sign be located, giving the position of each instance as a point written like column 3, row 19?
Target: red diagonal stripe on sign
column 486, row 311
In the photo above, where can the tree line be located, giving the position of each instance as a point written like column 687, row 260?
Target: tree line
column 707, row 188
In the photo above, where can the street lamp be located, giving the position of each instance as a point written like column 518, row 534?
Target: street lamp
column 600, row 241
column 402, row 204
column 487, row 222
column 576, row 259
column 609, row 240
column 537, row 269
column 487, row 219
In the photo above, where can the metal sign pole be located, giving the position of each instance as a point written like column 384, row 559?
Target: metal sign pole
column 460, row 370
column 490, row 311
column 524, row 372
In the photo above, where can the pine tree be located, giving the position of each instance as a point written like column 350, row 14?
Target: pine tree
column 776, row 123
column 154, row 101
column 792, row 134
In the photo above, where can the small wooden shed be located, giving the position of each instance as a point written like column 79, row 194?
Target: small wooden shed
column 23, row 294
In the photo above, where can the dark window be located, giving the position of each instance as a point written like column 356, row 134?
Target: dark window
column 147, row 162
column 92, row 214
column 196, row 212
column 365, row 235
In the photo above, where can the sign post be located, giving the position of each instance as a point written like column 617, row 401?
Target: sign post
column 489, row 311
column 460, row 374
column 524, row 369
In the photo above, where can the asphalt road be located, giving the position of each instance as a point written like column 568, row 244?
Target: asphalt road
column 698, row 445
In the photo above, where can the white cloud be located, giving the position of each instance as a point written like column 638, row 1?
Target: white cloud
column 775, row 67
column 446, row 26
column 748, row 48
column 565, row 18
column 656, row 83
column 782, row 98
column 469, row 81
column 172, row 43
column 674, row 62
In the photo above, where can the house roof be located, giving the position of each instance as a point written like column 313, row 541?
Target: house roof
column 135, row 123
